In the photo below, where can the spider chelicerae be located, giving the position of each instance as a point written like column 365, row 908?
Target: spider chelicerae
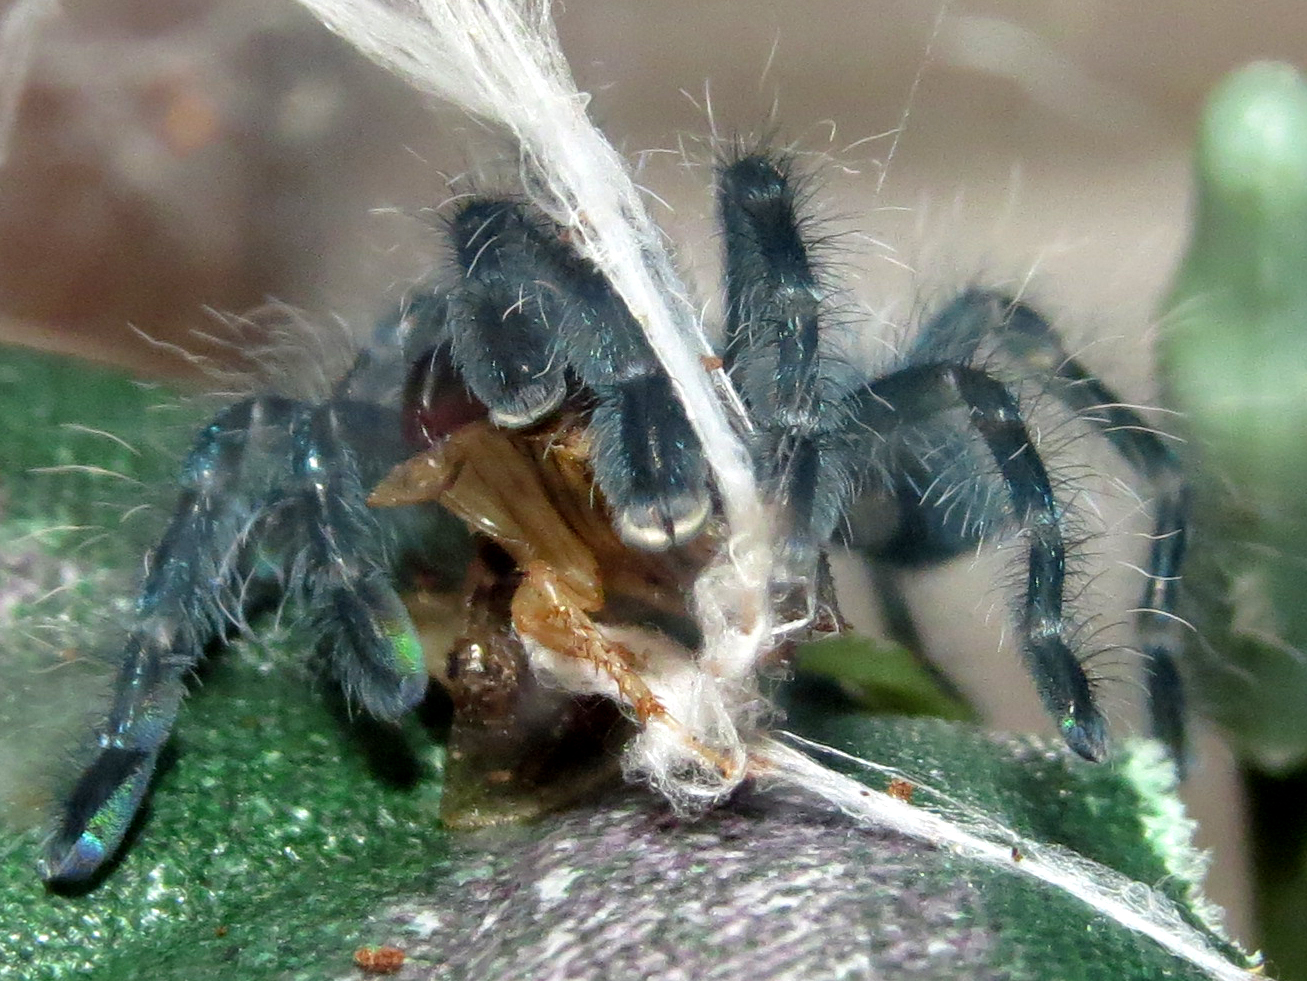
column 514, row 422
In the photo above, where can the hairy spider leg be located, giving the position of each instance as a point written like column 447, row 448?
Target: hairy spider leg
column 918, row 392
column 180, row 609
column 343, row 569
column 265, row 468
column 956, row 333
column 525, row 307
column 774, row 304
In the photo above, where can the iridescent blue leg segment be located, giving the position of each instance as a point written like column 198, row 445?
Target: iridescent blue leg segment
column 181, row 609
column 281, row 472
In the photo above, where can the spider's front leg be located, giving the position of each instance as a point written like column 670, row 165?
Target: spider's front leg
column 774, row 301
column 268, row 481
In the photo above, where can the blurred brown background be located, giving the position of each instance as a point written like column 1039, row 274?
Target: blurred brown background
column 170, row 159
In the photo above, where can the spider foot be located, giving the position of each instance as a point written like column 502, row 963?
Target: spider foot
column 1086, row 734
column 373, row 648
column 1166, row 706
column 97, row 815
column 1068, row 696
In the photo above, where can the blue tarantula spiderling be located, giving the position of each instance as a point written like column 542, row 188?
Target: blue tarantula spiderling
column 611, row 517
column 519, row 396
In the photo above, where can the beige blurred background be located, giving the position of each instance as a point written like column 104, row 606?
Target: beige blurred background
column 171, row 159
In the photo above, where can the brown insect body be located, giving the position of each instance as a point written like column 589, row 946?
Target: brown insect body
column 551, row 583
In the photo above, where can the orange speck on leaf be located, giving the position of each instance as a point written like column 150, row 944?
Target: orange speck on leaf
column 379, row 960
column 900, row 789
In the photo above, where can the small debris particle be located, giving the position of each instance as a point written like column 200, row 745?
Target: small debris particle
column 711, row 362
column 1016, row 854
column 379, row 960
column 900, row 789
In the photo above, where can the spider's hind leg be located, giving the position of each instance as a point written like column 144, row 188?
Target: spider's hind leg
column 1022, row 335
column 917, row 393
column 283, row 473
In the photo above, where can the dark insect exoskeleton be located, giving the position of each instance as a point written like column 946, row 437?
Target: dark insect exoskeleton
column 521, row 397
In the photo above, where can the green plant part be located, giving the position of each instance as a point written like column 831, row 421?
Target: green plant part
column 883, row 677
column 1233, row 358
column 1234, row 361
column 275, row 851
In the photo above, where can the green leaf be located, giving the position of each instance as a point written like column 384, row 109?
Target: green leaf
column 882, row 677
column 273, row 847
column 1233, row 357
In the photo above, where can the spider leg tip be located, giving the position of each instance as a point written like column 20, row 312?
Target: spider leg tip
column 69, row 864
column 394, row 700
column 1086, row 734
